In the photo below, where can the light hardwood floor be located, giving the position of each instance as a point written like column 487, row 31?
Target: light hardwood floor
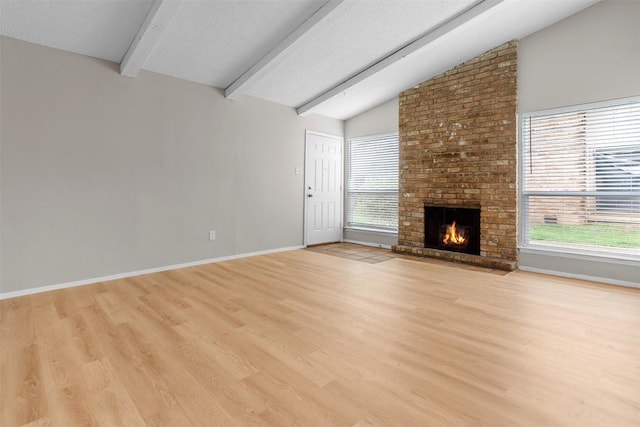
column 304, row 338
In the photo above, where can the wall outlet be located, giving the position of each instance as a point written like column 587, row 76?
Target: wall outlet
column 212, row 234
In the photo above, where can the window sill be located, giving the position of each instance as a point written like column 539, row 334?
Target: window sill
column 579, row 254
column 372, row 230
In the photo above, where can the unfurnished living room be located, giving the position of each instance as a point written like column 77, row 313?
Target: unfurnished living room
column 320, row 213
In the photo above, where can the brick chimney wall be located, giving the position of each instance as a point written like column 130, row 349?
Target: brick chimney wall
column 458, row 136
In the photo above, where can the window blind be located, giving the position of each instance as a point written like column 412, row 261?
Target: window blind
column 372, row 182
column 581, row 177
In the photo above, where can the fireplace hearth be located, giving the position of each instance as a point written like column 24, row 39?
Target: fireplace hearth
column 455, row 229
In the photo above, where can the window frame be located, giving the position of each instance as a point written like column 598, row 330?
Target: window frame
column 366, row 227
column 523, row 237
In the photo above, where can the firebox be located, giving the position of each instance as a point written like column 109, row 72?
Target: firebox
column 452, row 228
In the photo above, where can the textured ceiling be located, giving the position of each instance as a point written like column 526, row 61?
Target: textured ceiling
column 212, row 42
column 507, row 21
column 103, row 29
column 336, row 58
column 362, row 33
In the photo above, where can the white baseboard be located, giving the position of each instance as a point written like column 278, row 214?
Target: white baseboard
column 580, row 276
column 375, row 245
column 83, row 282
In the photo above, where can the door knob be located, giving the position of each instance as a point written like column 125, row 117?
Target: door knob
column 309, row 195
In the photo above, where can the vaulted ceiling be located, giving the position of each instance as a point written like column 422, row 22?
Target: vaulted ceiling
column 337, row 58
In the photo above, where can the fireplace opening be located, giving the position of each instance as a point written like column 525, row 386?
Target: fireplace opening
column 452, row 229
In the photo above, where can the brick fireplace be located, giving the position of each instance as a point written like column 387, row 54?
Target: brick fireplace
column 458, row 149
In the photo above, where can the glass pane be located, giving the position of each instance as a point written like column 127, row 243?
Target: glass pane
column 577, row 222
column 378, row 210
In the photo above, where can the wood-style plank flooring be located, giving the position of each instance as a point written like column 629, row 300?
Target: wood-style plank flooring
column 304, row 338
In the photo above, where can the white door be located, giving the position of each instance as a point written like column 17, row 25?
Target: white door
column 323, row 188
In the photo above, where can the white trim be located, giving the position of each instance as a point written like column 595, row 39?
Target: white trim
column 580, row 107
column 305, row 202
column 577, row 254
column 375, row 245
column 580, row 276
column 91, row 281
column 328, row 135
column 371, row 230
column 521, row 229
column 375, row 135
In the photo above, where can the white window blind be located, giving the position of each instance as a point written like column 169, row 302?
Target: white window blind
column 581, row 178
column 372, row 182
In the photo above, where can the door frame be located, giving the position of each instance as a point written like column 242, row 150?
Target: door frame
column 305, row 192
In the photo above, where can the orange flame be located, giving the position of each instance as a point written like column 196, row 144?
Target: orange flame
column 452, row 237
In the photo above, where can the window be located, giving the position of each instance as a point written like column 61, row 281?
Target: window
column 372, row 182
column 581, row 178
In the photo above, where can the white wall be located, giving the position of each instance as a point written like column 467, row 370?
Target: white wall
column 379, row 120
column 102, row 174
column 591, row 56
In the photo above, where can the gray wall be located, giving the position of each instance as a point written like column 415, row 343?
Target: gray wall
column 591, row 56
column 102, row 174
column 379, row 120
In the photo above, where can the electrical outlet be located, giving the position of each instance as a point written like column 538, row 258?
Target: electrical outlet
column 212, row 234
